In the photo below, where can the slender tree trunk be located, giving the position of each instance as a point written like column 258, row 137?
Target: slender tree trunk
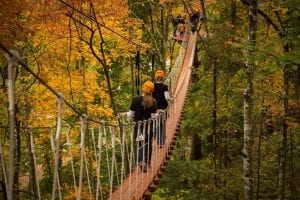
column 248, row 105
column 12, row 64
column 132, row 78
column 283, row 151
column 297, row 83
column 233, row 12
column 292, row 169
column 3, row 175
column 196, row 62
column 214, row 123
column 164, row 38
column 32, row 175
column 4, row 196
column 225, row 161
column 56, row 177
column 11, row 168
column 83, row 129
column 196, row 151
column 131, row 64
column 102, row 59
column 204, row 20
column 284, row 127
column 214, row 109
column 18, row 157
column 262, row 116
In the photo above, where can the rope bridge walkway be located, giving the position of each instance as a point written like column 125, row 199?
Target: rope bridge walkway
column 139, row 184
column 101, row 161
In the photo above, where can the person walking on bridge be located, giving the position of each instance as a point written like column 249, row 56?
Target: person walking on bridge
column 162, row 96
column 142, row 109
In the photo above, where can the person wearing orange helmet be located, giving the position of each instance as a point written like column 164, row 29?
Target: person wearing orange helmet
column 162, row 96
column 142, row 109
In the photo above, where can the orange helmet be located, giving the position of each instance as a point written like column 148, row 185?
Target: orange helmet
column 159, row 73
column 148, row 87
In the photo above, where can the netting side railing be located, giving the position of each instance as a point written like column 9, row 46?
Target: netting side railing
column 172, row 77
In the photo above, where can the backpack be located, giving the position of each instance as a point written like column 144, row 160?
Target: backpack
column 159, row 96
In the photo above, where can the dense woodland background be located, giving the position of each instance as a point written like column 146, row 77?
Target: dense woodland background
column 239, row 137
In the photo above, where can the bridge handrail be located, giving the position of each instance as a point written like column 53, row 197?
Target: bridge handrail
column 172, row 77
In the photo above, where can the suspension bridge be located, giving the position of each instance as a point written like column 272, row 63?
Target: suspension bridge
column 102, row 157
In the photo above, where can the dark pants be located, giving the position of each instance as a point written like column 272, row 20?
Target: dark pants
column 144, row 147
column 161, row 132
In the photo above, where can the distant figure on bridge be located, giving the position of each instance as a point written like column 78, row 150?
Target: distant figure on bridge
column 195, row 16
column 178, row 25
column 162, row 96
column 181, row 29
column 175, row 24
column 143, row 108
column 181, row 24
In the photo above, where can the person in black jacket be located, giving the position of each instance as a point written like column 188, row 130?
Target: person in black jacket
column 194, row 19
column 175, row 24
column 162, row 96
column 142, row 109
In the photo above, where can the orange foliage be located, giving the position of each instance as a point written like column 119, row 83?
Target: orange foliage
column 11, row 27
column 54, row 48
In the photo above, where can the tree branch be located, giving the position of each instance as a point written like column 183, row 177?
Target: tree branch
column 267, row 18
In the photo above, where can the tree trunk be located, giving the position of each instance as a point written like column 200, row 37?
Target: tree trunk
column 164, row 38
column 18, row 157
column 3, row 175
column 83, row 128
column 233, row 13
column 196, row 151
column 225, row 161
column 132, row 78
column 196, row 62
column 262, row 117
column 214, row 123
column 32, row 175
column 248, row 105
column 214, row 109
column 297, row 83
column 56, row 178
column 204, row 20
column 283, row 150
column 12, row 64
column 292, row 170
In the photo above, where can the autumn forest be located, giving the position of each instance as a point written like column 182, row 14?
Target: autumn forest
column 69, row 69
